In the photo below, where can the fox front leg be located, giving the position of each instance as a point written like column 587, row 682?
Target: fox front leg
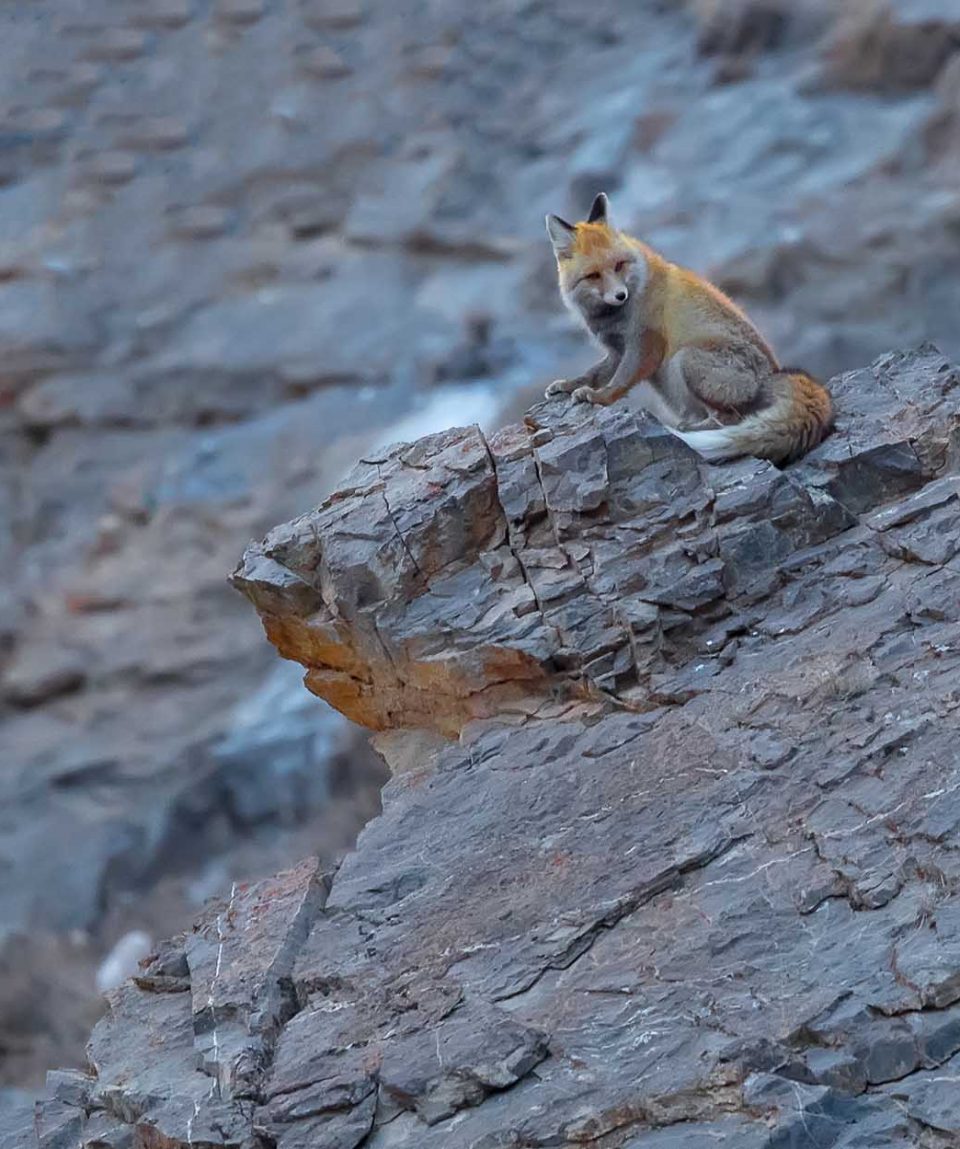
column 638, row 363
column 598, row 376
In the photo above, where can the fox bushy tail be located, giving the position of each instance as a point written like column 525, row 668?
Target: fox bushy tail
column 799, row 417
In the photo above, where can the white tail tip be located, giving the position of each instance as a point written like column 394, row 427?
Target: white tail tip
column 715, row 443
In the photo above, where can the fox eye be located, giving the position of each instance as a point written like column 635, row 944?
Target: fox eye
column 621, row 266
column 594, row 276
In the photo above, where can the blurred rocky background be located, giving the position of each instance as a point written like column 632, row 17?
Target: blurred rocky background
column 243, row 240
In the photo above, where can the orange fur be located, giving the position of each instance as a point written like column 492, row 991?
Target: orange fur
column 593, row 241
column 812, row 410
column 727, row 359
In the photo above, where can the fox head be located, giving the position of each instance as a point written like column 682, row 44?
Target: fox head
column 599, row 267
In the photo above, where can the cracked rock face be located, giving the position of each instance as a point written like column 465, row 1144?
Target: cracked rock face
column 684, row 873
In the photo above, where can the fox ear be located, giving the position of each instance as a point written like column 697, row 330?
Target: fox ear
column 561, row 234
column 600, row 211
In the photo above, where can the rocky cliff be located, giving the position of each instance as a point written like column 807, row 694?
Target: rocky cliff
column 669, row 854
column 241, row 242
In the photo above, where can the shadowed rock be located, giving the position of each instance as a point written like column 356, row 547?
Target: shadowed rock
column 689, row 881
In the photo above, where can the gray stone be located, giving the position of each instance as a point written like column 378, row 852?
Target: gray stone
column 931, row 1097
column 17, row 1118
column 476, row 1051
column 731, row 1131
column 929, row 958
column 40, row 674
column 891, row 47
column 240, row 965
column 43, row 329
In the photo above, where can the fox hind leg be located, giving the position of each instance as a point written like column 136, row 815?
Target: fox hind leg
column 725, row 380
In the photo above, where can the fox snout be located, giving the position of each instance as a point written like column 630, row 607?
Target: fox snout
column 612, row 286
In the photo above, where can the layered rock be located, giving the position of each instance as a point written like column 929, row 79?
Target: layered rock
column 590, row 554
column 678, row 867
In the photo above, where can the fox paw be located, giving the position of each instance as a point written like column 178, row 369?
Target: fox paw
column 585, row 395
column 561, row 387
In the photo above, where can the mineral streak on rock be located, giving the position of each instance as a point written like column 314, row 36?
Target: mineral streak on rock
column 690, row 883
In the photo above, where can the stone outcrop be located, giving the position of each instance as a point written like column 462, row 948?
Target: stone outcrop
column 672, row 862
column 588, row 555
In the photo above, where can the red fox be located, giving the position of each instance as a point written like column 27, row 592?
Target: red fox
column 705, row 371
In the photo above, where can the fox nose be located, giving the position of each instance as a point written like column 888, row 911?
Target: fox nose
column 621, row 296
